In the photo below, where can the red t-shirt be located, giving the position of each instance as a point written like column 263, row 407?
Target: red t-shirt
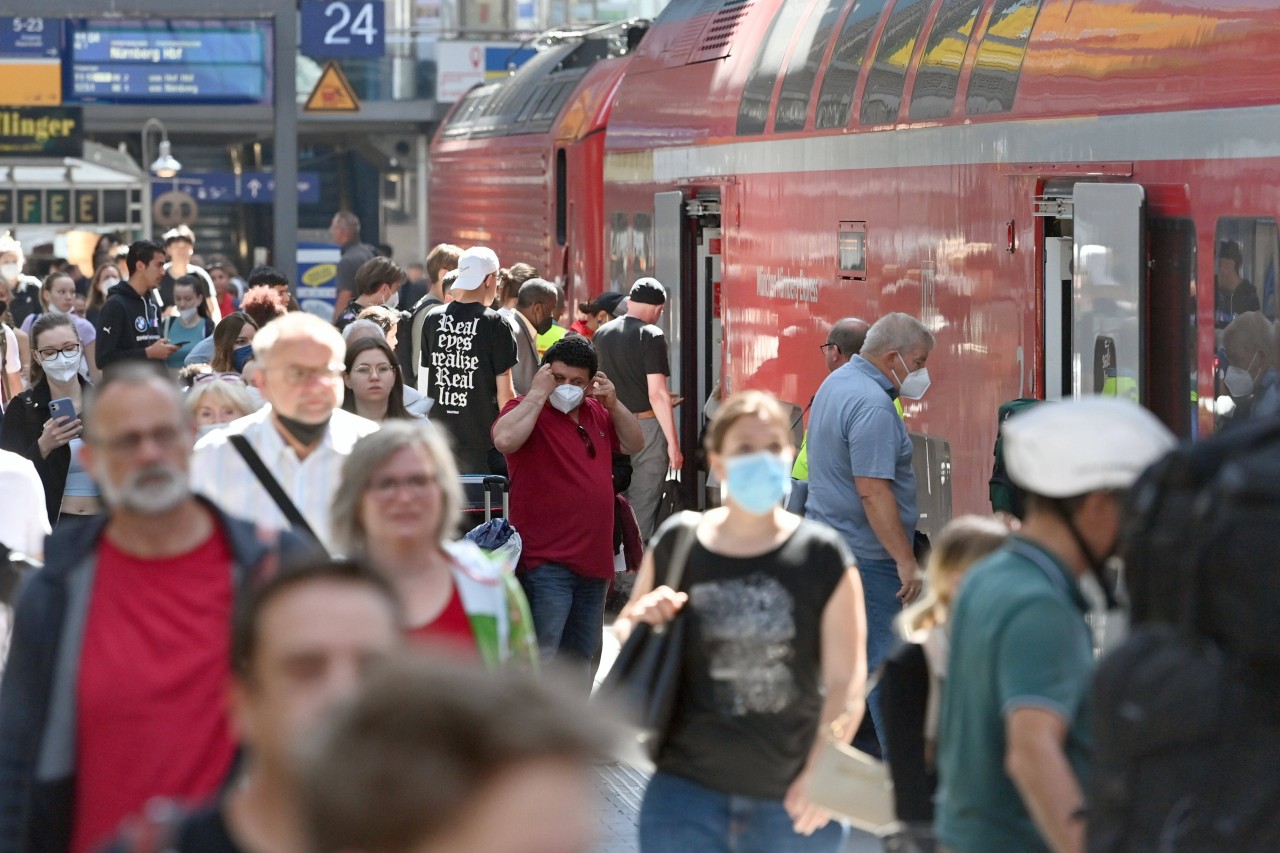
column 151, row 696
column 452, row 627
column 561, row 497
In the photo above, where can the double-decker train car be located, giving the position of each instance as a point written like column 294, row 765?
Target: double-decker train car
column 1063, row 190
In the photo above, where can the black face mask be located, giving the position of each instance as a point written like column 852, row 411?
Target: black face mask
column 545, row 326
column 306, row 434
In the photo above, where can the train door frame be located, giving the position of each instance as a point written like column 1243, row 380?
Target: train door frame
column 684, row 223
column 1093, row 245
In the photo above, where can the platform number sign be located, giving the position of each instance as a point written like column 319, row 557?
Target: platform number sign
column 343, row 29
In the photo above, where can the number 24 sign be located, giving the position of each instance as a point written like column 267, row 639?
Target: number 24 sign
column 339, row 29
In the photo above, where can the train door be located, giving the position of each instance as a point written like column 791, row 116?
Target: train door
column 1095, row 291
column 687, row 260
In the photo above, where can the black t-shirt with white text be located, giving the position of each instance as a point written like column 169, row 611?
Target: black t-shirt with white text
column 465, row 348
column 630, row 350
column 750, row 695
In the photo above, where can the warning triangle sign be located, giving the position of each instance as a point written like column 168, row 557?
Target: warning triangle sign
column 333, row 92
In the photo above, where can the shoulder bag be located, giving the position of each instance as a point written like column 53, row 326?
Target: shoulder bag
column 852, row 785
column 274, row 489
column 645, row 677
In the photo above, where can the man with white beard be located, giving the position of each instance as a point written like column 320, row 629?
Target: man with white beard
column 116, row 686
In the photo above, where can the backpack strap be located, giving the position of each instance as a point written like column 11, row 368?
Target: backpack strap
column 273, row 487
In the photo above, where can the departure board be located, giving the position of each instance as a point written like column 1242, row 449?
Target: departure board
column 168, row 61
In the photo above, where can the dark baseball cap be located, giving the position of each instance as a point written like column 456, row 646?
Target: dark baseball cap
column 648, row 291
column 607, row 302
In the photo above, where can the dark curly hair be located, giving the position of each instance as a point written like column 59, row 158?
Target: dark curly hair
column 574, row 351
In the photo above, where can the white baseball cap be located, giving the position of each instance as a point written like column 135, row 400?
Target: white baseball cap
column 1060, row 450
column 474, row 266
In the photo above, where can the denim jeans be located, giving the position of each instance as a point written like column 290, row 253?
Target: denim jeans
column 880, row 586
column 567, row 610
column 681, row 815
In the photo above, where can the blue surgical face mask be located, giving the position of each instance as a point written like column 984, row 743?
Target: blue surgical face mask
column 241, row 356
column 757, row 482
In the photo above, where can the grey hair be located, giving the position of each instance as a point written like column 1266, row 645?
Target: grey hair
column 895, row 332
column 358, row 329
column 348, row 220
column 368, row 455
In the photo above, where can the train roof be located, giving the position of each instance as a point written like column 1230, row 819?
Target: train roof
column 532, row 98
column 719, row 70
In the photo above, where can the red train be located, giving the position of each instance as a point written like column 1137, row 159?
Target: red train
column 1047, row 183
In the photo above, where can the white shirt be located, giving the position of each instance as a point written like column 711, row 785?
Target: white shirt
column 25, row 522
column 219, row 472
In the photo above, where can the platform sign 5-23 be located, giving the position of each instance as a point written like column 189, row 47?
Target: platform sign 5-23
column 343, row 29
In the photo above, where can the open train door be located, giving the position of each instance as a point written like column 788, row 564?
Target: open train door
column 686, row 250
column 1109, row 284
column 1095, row 292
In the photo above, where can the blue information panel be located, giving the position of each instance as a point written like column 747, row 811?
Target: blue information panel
column 31, row 38
column 343, row 29
column 247, row 187
column 168, row 61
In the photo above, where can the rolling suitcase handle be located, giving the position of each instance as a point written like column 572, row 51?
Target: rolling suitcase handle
column 496, row 484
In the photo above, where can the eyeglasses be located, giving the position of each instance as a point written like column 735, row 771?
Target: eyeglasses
column 49, row 353
column 366, row 370
column 218, row 377
column 823, row 347
column 385, row 488
column 586, row 439
column 306, row 375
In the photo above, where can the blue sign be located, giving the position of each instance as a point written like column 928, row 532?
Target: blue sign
column 168, row 61
column 228, row 188
column 344, row 29
column 30, row 38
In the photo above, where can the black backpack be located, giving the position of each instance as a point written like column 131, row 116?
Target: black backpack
column 1187, row 710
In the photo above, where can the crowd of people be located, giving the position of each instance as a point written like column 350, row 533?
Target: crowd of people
column 258, row 627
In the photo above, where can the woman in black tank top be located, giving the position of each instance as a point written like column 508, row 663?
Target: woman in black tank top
column 774, row 653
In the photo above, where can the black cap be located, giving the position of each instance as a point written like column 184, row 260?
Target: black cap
column 648, row 291
column 607, row 302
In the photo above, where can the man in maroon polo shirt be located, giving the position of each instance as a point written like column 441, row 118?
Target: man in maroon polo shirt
column 559, row 441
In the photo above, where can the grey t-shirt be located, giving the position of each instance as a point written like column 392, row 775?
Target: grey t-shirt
column 855, row 431
column 630, row 350
column 353, row 257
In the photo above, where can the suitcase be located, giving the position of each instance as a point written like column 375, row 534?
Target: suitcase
column 484, row 497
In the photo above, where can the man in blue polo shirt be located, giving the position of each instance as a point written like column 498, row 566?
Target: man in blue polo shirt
column 860, row 478
column 1014, row 736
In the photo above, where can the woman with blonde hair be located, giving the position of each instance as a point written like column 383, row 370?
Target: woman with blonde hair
column 912, row 675
column 774, row 653
column 217, row 399
column 397, row 507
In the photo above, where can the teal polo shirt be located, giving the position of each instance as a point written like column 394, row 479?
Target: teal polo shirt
column 1018, row 639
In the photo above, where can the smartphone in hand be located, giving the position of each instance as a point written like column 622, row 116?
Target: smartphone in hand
column 62, row 407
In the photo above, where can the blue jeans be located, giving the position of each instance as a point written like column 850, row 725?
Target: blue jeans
column 880, row 586
column 567, row 610
column 679, row 814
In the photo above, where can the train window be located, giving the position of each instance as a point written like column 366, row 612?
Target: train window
column 562, row 197
column 934, row 92
column 1246, row 260
column 811, row 44
column 835, row 99
column 883, row 94
column 641, row 244
column 753, row 109
column 851, row 252
column 1245, row 263
column 619, row 237
column 998, row 65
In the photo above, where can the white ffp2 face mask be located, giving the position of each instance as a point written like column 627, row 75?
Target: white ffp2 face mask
column 62, row 366
column 915, row 384
column 566, row 398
